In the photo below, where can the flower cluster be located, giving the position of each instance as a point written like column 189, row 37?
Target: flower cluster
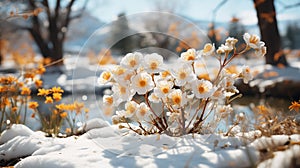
column 72, row 113
column 174, row 98
column 55, row 93
column 15, row 92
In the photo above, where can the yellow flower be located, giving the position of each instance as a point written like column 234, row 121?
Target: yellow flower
column 63, row 114
column 5, row 102
column 61, row 106
column 29, row 75
column 57, row 96
column 41, row 69
column 38, row 83
column 43, row 92
column 48, row 100
column 57, row 90
column 2, row 89
column 55, row 112
column 8, row 80
column 25, row 91
column 295, row 106
column 14, row 109
column 33, row 105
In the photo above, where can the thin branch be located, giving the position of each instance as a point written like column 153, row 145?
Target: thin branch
column 286, row 7
column 67, row 19
column 81, row 11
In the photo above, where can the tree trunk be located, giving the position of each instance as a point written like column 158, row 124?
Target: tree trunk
column 267, row 22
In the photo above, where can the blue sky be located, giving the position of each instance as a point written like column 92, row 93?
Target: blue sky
column 107, row 10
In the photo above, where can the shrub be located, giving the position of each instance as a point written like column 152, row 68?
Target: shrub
column 150, row 96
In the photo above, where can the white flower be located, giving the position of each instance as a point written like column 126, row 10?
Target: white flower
column 253, row 41
column 105, row 77
column 228, row 83
column 224, row 49
column 121, row 93
column 203, row 88
column 108, row 100
column 121, row 74
column 177, row 98
column 224, row 111
column 163, row 88
column 208, row 49
column 132, row 60
column 218, row 94
column 142, row 83
column 153, row 63
column 230, row 42
column 183, row 73
column 164, row 75
column 143, row 112
column 189, row 55
column 260, row 52
column 154, row 98
column 130, row 109
column 118, row 70
column 116, row 119
column 246, row 74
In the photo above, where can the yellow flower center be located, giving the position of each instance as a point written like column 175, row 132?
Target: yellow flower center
column 165, row 90
column 143, row 111
column 132, row 63
column 247, row 70
column 142, row 83
column 153, row 65
column 177, row 100
column 202, row 89
column 130, row 109
column 165, row 74
column 182, row 75
column 106, row 75
column 109, row 100
column 228, row 83
column 253, row 39
column 207, row 48
column 123, row 90
column 120, row 71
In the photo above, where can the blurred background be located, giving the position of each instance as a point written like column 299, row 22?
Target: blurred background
column 77, row 37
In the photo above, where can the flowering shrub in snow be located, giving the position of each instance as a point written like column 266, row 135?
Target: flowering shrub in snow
column 151, row 96
column 16, row 103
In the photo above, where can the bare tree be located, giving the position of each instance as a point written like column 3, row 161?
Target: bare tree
column 49, row 27
column 267, row 22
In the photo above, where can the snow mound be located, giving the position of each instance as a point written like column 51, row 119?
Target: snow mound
column 108, row 146
column 13, row 131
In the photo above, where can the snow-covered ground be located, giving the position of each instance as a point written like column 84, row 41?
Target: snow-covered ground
column 107, row 146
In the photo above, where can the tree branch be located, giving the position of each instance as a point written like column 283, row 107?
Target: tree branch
column 285, row 7
column 67, row 19
column 81, row 11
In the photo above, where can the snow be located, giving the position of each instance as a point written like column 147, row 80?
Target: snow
column 104, row 145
